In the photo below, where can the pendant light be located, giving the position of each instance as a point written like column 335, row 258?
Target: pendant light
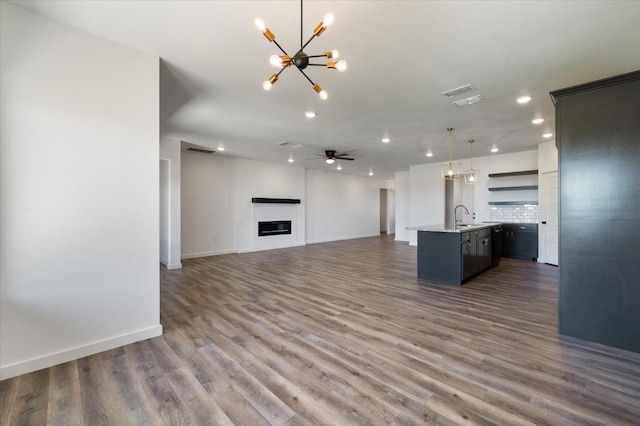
column 471, row 175
column 450, row 170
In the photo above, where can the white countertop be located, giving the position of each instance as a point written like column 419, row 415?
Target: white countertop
column 446, row 228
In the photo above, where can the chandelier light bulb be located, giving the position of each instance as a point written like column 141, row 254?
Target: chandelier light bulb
column 275, row 61
column 335, row 54
column 323, row 94
column 341, row 66
column 266, row 85
column 450, row 172
column 471, row 178
column 328, row 19
column 260, row 24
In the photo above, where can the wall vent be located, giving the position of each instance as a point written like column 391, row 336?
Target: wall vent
column 457, row 91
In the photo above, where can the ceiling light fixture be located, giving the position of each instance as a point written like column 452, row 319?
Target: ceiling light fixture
column 290, row 159
column 547, row 135
column 339, row 167
column 310, row 114
column 537, row 120
column 450, row 170
column 471, row 175
column 221, row 148
column 494, row 150
column 370, row 173
column 301, row 60
column 330, row 160
column 386, row 140
column 429, row 154
column 523, row 99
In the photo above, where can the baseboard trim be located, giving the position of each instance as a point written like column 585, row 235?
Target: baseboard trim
column 351, row 237
column 46, row 361
column 206, row 253
column 174, row 266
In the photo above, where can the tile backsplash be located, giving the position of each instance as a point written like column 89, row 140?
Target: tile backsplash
column 518, row 213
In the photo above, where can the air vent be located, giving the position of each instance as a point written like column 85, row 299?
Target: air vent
column 458, row 91
column 288, row 144
column 205, row 151
column 469, row 101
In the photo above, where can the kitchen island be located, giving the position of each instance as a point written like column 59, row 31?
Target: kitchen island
column 453, row 255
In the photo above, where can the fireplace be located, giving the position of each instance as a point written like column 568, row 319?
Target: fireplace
column 274, row 227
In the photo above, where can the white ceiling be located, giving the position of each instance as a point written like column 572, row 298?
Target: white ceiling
column 402, row 55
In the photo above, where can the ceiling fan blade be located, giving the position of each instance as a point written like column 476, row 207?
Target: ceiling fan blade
column 337, row 157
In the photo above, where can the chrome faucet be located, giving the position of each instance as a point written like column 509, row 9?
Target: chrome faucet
column 455, row 212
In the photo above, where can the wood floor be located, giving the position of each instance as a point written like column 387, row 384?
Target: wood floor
column 338, row 334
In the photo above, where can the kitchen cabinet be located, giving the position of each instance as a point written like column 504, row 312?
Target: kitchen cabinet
column 453, row 257
column 520, row 240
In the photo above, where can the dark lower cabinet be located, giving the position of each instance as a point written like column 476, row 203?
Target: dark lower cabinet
column 520, row 240
column 453, row 257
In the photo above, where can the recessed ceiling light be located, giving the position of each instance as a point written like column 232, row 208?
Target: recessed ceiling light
column 537, row 120
column 290, row 160
column 221, row 148
column 494, row 150
column 386, row 140
column 523, row 99
column 429, row 154
column 370, row 173
column 339, row 167
column 547, row 135
column 310, row 114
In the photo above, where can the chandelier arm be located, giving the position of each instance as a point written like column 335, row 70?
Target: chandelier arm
column 279, row 47
column 305, row 45
column 301, row 32
column 317, row 65
column 316, row 56
column 305, row 75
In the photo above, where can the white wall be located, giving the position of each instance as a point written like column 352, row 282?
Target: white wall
column 266, row 180
column 171, row 242
column 403, row 212
column 547, row 157
column 208, row 205
column 426, row 202
column 342, row 206
column 79, row 194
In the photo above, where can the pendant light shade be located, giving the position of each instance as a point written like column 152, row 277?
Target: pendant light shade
column 451, row 169
column 471, row 175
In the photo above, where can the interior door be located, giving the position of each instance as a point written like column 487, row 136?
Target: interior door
column 551, row 210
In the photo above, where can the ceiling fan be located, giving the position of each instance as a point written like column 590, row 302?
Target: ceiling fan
column 330, row 156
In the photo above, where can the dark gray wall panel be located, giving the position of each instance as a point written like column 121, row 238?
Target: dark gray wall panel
column 598, row 138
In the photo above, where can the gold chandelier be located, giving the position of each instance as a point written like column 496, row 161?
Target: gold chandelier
column 451, row 169
column 301, row 60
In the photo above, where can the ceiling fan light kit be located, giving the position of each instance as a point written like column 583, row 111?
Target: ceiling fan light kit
column 301, row 60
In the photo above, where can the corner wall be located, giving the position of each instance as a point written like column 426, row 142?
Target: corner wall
column 78, row 194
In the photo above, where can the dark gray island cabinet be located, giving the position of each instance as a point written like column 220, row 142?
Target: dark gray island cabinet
column 452, row 256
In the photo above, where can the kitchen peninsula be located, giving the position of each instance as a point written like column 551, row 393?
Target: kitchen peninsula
column 452, row 255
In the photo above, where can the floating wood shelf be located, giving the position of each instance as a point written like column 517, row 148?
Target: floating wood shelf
column 514, row 188
column 512, row 203
column 522, row 173
column 275, row 200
